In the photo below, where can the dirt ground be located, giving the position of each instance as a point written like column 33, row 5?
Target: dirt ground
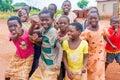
column 7, row 49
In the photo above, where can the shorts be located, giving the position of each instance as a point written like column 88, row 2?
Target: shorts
column 110, row 57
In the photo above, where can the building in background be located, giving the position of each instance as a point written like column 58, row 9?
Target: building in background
column 108, row 8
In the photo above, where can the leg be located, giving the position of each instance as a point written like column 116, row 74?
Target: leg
column 117, row 58
column 7, row 78
column 36, row 59
column 62, row 72
column 34, row 67
column 106, row 65
column 109, row 59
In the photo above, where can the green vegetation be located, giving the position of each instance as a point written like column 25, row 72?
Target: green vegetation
column 5, row 5
column 19, row 4
column 82, row 4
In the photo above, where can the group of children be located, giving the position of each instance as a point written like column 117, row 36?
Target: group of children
column 59, row 47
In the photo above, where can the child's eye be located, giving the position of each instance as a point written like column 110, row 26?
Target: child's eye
column 15, row 25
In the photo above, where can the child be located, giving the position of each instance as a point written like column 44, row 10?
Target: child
column 51, row 52
column 53, row 8
column 21, row 62
column 95, row 35
column 63, row 24
column 75, row 53
column 85, row 22
column 114, row 37
column 37, row 47
column 24, row 16
column 66, row 7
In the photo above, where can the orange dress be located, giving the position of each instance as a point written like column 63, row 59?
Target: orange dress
column 96, row 53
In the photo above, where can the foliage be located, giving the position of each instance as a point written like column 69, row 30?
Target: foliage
column 34, row 11
column 19, row 4
column 82, row 4
column 58, row 12
column 5, row 5
column 8, row 1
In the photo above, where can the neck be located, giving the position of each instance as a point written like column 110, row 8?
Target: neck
column 22, row 31
column 63, row 32
column 66, row 13
column 75, row 40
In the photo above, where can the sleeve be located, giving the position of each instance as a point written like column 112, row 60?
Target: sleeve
column 85, row 50
column 83, row 36
column 64, row 45
column 105, row 32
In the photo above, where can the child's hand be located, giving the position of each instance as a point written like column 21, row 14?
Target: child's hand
column 116, row 30
column 33, row 37
column 83, row 69
column 35, row 20
column 115, row 47
column 70, row 74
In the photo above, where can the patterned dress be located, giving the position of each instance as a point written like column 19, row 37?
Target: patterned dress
column 96, row 53
column 21, row 62
column 48, row 58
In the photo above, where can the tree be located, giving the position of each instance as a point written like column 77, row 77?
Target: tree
column 8, row 1
column 5, row 5
column 82, row 4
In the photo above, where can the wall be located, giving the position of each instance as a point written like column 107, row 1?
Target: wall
column 108, row 8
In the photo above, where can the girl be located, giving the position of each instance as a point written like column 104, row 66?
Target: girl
column 85, row 22
column 51, row 51
column 95, row 35
column 75, row 53
column 63, row 24
column 53, row 8
column 114, row 31
column 21, row 62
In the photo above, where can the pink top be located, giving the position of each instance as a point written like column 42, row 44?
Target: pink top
column 24, row 46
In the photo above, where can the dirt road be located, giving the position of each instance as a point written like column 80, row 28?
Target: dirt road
column 7, row 49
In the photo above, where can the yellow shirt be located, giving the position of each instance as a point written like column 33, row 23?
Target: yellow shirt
column 75, row 57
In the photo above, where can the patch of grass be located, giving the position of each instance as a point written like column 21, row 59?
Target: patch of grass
column 6, row 15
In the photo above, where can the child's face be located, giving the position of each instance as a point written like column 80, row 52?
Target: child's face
column 73, row 32
column 52, row 8
column 66, row 7
column 46, row 20
column 63, row 24
column 22, row 14
column 93, row 19
column 115, row 23
column 13, row 25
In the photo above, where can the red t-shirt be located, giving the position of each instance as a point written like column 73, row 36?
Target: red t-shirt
column 115, row 39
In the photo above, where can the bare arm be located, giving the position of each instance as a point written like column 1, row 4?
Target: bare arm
column 85, row 63
column 60, row 54
column 109, row 42
column 66, row 64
